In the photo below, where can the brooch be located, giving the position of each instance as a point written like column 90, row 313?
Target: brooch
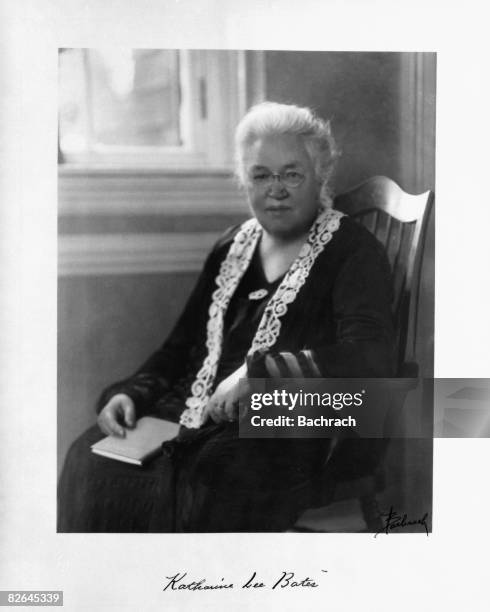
column 257, row 295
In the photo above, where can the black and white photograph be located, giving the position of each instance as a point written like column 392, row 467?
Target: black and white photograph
column 237, row 266
column 164, row 152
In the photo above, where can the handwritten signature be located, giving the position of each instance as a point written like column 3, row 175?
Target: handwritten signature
column 393, row 520
column 285, row 580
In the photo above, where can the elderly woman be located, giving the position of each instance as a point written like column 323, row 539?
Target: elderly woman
column 297, row 290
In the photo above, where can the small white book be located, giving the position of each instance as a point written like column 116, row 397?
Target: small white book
column 140, row 444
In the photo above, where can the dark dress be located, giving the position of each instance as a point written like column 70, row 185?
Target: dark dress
column 208, row 479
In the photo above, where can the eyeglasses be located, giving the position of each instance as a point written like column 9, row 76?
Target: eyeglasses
column 289, row 178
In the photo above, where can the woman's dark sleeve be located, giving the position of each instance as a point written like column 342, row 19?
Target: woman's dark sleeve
column 169, row 362
column 364, row 337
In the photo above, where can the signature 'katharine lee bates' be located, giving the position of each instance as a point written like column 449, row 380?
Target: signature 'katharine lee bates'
column 177, row 582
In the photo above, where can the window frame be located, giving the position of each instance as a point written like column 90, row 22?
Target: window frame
column 213, row 99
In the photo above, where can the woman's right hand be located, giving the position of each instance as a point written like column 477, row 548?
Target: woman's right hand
column 118, row 413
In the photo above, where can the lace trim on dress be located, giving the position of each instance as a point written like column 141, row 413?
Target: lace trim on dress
column 231, row 271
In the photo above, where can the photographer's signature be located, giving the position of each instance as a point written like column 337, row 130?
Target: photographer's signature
column 392, row 520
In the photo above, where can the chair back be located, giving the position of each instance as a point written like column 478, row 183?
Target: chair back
column 399, row 221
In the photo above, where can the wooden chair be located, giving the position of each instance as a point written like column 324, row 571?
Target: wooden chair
column 399, row 221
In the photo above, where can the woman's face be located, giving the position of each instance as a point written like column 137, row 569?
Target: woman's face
column 283, row 211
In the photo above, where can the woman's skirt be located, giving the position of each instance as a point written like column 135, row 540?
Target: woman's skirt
column 206, row 480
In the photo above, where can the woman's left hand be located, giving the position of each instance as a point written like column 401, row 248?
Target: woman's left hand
column 223, row 404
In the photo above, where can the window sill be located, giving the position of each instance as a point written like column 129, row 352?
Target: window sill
column 145, row 191
column 88, row 170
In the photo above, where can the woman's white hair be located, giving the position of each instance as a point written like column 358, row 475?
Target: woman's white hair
column 272, row 118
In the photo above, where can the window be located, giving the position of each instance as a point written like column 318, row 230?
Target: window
column 149, row 132
column 162, row 108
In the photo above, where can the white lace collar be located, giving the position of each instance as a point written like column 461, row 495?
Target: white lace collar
column 231, row 271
